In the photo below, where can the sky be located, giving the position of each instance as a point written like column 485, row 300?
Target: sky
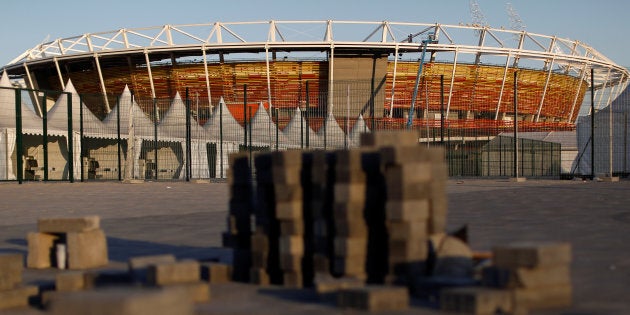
column 601, row 24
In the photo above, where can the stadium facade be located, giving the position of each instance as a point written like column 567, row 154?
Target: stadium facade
column 473, row 66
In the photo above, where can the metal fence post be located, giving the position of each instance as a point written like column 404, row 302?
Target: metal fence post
column 592, row 123
column 188, row 140
column 516, row 124
column 155, row 139
column 81, row 136
column 306, row 114
column 45, row 136
column 70, row 140
column 18, row 135
column 118, row 140
column 221, row 135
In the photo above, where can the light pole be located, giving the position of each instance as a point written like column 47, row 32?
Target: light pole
column 430, row 40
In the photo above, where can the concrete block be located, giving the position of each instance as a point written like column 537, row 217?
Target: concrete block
column 199, row 292
column 541, row 298
column 390, row 138
column 18, row 296
column 407, row 210
column 138, row 265
column 349, row 174
column 284, row 192
column 349, row 159
column 350, row 246
column 343, row 211
column 350, row 192
column 215, row 273
column 287, row 158
column 292, row 279
column 476, row 300
column 123, row 301
column 291, row 245
column 259, row 276
column 292, row 227
column 409, row 172
column 532, row 254
column 325, row 283
column 404, row 192
column 70, row 281
column 11, row 267
column 291, row 262
column 353, row 266
column 374, row 298
column 173, row 273
column 400, row 231
column 86, row 249
column 408, row 250
column 351, row 228
column 526, row 277
column 66, row 225
column 289, row 210
column 286, row 175
column 40, row 249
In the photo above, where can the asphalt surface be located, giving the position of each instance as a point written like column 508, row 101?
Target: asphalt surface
column 187, row 219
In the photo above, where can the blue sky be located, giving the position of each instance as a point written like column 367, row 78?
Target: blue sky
column 601, row 24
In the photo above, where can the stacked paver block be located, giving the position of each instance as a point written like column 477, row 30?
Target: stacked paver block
column 287, row 186
column 374, row 298
column 350, row 243
column 238, row 235
column 536, row 273
column 216, row 273
column 12, row 292
column 477, row 301
column 318, row 166
column 183, row 275
column 123, row 301
column 85, row 243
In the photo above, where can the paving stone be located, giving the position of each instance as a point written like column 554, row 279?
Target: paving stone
column 86, row 249
column 476, row 300
column 532, row 254
column 66, row 225
column 173, row 273
column 11, row 268
column 18, row 296
column 374, row 298
column 40, row 249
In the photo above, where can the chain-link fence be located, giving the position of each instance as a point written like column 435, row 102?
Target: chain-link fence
column 115, row 137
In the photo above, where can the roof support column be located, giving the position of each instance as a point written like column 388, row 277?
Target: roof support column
column 100, row 77
column 391, row 103
column 63, row 85
column 32, row 86
column 269, row 94
column 601, row 94
column 577, row 94
column 331, row 79
column 146, row 58
column 450, row 90
column 505, row 71
column 542, row 99
column 205, row 68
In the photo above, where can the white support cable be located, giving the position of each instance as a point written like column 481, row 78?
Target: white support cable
column 542, row 98
column 148, row 61
column 102, row 83
column 30, row 83
column 601, row 95
column 505, row 71
column 450, row 93
column 205, row 69
column 391, row 102
column 577, row 94
column 63, row 85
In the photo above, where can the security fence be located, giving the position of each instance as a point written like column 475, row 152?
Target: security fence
column 52, row 135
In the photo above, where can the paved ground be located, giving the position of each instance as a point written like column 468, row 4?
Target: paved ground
column 186, row 219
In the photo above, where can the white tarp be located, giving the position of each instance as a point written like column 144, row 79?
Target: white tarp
column 263, row 130
column 144, row 127
column 356, row 131
column 330, row 135
column 58, row 115
column 221, row 117
column 295, row 132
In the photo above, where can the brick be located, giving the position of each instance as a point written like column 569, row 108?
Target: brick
column 476, row 300
column 292, row 158
column 327, row 284
column 173, row 273
column 292, row 279
column 288, row 192
column 40, row 249
column 18, row 296
column 259, row 276
column 350, row 265
column 289, row 210
column 532, row 254
column 138, row 265
column 66, row 225
column 351, row 228
column 215, row 273
column 350, row 192
column 390, row 138
column 404, row 192
column 86, row 249
column 260, row 242
column 409, row 172
column 70, row 281
column 350, row 247
column 291, row 262
column 349, row 174
column 11, row 267
column 407, row 210
column 526, row 277
column 374, row 298
column 541, row 298
column 199, row 292
column 292, row 245
column 348, row 211
column 122, row 301
column 399, row 155
column 286, row 176
column 292, row 227
column 409, row 250
column 400, row 231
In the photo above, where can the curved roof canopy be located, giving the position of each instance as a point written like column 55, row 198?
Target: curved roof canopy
column 558, row 54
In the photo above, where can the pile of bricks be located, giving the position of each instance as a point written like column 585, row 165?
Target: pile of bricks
column 12, row 292
column 524, row 276
column 73, row 243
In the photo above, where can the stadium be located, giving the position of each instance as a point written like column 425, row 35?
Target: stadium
column 465, row 81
